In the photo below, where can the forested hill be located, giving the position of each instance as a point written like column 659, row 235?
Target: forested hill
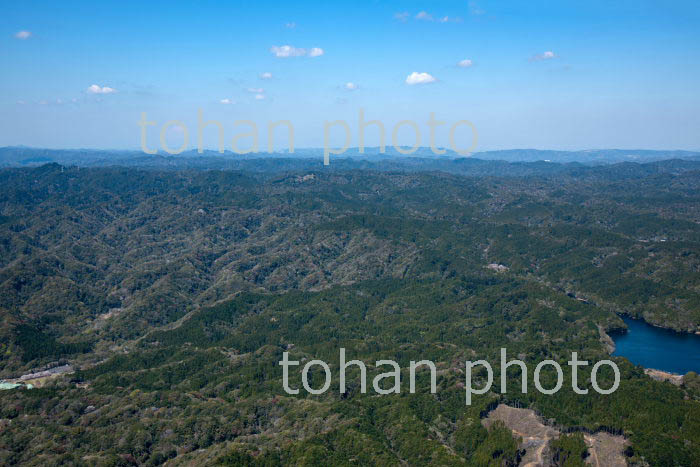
column 173, row 293
column 103, row 254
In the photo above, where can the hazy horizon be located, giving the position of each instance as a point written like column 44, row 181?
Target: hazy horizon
column 389, row 149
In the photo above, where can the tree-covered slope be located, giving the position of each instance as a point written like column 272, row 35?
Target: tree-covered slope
column 175, row 293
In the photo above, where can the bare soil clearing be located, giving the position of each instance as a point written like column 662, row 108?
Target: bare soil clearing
column 604, row 449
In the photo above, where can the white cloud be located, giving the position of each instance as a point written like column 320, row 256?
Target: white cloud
column 284, row 51
column 290, row 25
column 474, row 9
column 256, row 90
column 266, row 75
column 227, row 101
column 466, row 63
column 95, row 89
column 350, row 86
column 548, row 55
column 259, row 97
column 425, row 16
column 420, row 78
column 58, row 101
column 21, row 102
column 23, row 35
column 403, row 16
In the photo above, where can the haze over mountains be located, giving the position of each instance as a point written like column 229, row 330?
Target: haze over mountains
column 21, row 156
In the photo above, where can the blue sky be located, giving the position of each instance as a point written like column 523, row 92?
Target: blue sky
column 542, row 74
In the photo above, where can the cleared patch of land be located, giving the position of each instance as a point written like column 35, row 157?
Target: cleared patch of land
column 664, row 376
column 604, row 449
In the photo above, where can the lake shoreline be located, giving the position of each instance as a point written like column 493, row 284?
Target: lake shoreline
column 607, row 341
column 623, row 315
column 664, row 353
column 659, row 375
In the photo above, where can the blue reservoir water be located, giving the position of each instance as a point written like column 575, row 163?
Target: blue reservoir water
column 658, row 348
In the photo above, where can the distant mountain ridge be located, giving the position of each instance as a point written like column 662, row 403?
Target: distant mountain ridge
column 589, row 156
column 18, row 156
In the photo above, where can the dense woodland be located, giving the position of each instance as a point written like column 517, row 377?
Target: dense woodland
column 173, row 293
